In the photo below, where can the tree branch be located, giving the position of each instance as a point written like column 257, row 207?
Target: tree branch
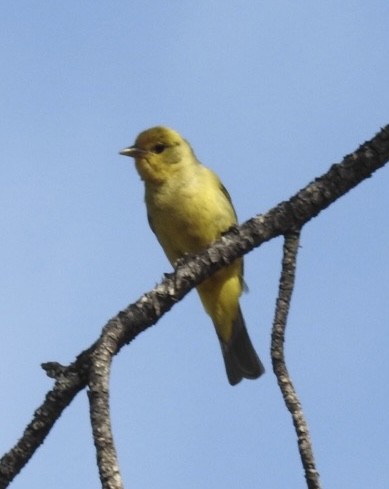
column 98, row 395
column 281, row 220
column 288, row 391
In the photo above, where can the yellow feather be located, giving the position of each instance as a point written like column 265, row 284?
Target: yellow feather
column 188, row 209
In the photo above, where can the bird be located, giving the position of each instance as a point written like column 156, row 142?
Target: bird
column 188, row 208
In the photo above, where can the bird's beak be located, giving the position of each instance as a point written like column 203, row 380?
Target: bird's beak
column 132, row 151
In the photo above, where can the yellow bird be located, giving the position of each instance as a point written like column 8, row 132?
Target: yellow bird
column 188, row 209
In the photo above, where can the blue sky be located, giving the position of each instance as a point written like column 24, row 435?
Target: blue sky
column 269, row 94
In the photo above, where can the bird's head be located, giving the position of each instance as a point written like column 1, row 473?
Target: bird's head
column 159, row 153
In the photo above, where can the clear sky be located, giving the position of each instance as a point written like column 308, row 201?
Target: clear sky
column 269, row 94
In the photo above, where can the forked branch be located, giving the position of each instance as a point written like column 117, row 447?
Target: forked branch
column 283, row 219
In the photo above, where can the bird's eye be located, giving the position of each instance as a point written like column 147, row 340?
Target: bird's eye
column 159, row 148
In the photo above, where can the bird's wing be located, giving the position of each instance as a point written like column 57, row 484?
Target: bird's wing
column 227, row 195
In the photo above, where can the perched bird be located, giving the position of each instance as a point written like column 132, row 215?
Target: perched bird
column 188, row 208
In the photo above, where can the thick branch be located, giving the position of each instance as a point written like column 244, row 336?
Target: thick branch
column 283, row 219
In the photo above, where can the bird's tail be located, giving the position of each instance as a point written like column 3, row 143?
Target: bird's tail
column 240, row 358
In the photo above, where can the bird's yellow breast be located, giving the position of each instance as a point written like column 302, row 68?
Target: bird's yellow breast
column 189, row 213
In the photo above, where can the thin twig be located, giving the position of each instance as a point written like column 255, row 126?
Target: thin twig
column 278, row 358
column 98, row 395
